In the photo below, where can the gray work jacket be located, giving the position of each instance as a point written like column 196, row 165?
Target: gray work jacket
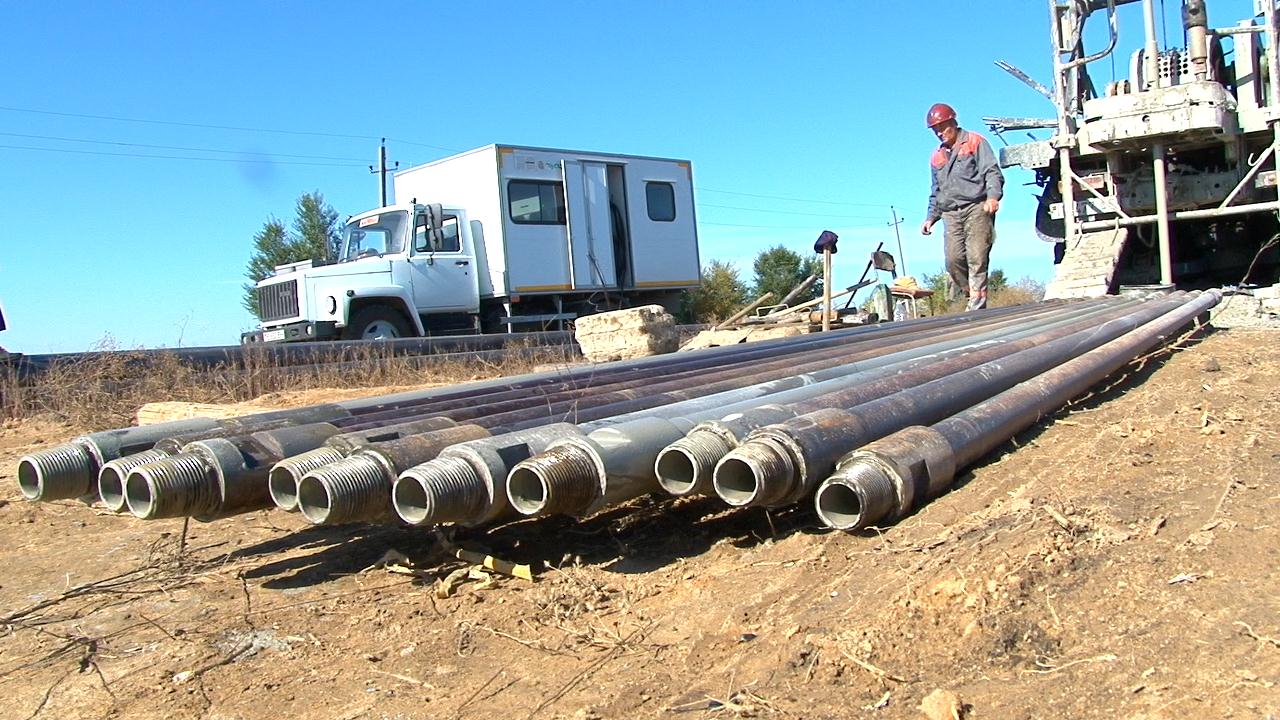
column 963, row 174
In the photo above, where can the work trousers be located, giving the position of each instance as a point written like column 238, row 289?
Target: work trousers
column 969, row 234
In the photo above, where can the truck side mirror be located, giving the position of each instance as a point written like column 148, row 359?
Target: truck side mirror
column 435, row 223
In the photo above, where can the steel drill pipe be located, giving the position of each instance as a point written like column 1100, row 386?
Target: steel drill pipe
column 579, row 476
column 889, row 478
column 283, row 479
column 466, row 484
column 112, row 476
column 840, row 364
column 780, row 464
column 358, row 487
column 70, row 470
column 553, row 401
column 219, row 477
column 686, row 466
column 659, row 365
column 640, row 395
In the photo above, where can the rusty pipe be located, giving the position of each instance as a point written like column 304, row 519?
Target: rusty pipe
column 358, row 487
column 218, row 477
column 814, row 441
column 890, row 477
column 466, row 484
column 619, row 459
column 284, row 476
column 70, row 470
column 686, row 466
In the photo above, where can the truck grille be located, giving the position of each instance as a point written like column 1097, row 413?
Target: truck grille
column 278, row 301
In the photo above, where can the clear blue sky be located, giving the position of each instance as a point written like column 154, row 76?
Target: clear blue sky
column 816, row 101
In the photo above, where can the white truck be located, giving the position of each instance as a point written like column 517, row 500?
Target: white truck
column 497, row 239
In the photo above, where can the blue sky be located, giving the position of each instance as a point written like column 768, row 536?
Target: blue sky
column 798, row 117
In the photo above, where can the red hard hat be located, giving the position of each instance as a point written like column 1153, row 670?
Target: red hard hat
column 938, row 114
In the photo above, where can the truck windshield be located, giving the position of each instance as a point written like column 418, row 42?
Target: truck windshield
column 379, row 234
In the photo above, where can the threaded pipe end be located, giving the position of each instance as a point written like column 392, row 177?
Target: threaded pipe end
column 446, row 489
column 62, row 472
column 686, row 466
column 858, row 495
column 285, row 475
column 561, row 480
column 112, row 476
column 354, row 488
column 180, row 485
column 758, row 472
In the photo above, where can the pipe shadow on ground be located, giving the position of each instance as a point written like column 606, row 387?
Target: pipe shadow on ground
column 335, row 551
column 638, row 537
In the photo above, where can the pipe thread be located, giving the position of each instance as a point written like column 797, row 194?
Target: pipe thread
column 857, row 496
column 450, row 491
column 758, row 472
column 686, row 466
column 561, row 480
column 286, row 474
column 180, row 485
column 112, row 476
column 62, row 472
column 354, row 488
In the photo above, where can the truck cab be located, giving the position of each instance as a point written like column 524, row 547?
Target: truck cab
column 398, row 264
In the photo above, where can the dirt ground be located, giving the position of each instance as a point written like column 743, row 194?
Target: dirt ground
column 1117, row 561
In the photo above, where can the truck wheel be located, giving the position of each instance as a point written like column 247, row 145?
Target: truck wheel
column 377, row 322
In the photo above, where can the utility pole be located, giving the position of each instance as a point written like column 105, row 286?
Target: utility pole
column 382, row 171
column 902, row 259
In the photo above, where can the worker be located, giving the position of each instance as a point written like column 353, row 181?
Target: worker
column 965, row 195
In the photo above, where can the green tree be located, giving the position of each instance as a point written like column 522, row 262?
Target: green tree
column 315, row 237
column 996, row 281
column 271, row 247
column 722, row 293
column 315, row 228
column 779, row 270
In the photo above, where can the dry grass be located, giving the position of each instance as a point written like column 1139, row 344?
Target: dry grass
column 104, row 390
column 1023, row 292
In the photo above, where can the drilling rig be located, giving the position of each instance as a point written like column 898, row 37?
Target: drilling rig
column 1167, row 177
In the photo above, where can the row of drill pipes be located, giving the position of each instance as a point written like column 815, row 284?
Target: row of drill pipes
column 868, row 422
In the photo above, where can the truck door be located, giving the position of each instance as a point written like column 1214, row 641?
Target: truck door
column 586, row 195
column 444, row 273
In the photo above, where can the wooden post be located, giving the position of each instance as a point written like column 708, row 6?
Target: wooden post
column 826, row 289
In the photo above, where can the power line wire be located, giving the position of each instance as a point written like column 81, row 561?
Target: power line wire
column 793, row 199
column 174, row 157
column 785, row 212
column 175, row 123
column 176, row 147
column 787, row 227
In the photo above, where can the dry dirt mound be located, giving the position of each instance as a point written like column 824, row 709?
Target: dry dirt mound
column 1117, row 561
